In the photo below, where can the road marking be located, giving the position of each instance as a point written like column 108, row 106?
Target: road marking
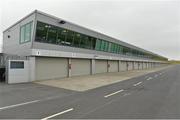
column 113, row 93
column 60, row 113
column 127, row 94
column 16, row 105
column 149, row 78
column 137, row 84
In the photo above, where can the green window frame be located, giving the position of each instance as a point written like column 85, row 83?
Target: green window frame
column 25, row 33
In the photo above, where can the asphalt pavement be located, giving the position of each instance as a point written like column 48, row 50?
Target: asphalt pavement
column 151, row 96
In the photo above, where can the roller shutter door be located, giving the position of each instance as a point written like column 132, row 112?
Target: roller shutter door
column 144, row 65
column 147, row 65
column 140, row 65
column 136, row 65
column 130, row 66
column 113, row 66
column 100, row 66
column 80, row 67
column 123, row 66
column 51, row 68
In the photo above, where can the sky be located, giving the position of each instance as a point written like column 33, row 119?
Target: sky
column 153, row 25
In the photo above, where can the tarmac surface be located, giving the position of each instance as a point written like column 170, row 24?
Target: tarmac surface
column 151, row 96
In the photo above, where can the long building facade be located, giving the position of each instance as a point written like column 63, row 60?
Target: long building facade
column 56, row 48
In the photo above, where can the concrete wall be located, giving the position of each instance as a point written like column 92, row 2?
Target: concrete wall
column 11, row 44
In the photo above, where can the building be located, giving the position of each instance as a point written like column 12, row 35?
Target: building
column 55, row 48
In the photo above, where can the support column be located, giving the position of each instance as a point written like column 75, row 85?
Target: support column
column 93, row 68
column 127, row 65
column 32, row 69
column 69, row 67
column 108, row 65
column 133, row 64
column 119, row 65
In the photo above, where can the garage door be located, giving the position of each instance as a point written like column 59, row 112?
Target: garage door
column 140, row 65
column 80, row 67
column 123, row 66
column 100, row 66
column 130, row 66
column 144, row 65
column 51, row 68
column 136, row 65
column 113, row 66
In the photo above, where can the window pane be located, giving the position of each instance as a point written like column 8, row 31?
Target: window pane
column 77, row 38
column 61, row 36
column 17, row 65
column 22, row 30
column 69, row 38
column 41, row 32
column 102, row 45
column 93, row 43
column 98, row 44
column 106, row 46
column 52, row 34
column 85, row 42
column 27, row 32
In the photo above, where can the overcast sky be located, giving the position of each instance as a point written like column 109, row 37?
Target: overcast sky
column 150, row 24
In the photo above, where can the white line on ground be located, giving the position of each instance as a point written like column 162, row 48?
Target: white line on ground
column 16, row 105
column 127, row 94
column 137, row 84
column 113, row 93
column 60, row 113
column 149, row 78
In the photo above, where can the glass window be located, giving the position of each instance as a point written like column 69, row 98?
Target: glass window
column 112, row 47
column 17, row 65
column 61, row 36
column 69, row 38
column 85, row 42
column 52, row 34
column 93, row 42
column 116, row 47
column 106, row 46
column 41, row 32
column 25, row 33
column 22, row 34
column 77, row 39
column 98, row 44
column 102, row 45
